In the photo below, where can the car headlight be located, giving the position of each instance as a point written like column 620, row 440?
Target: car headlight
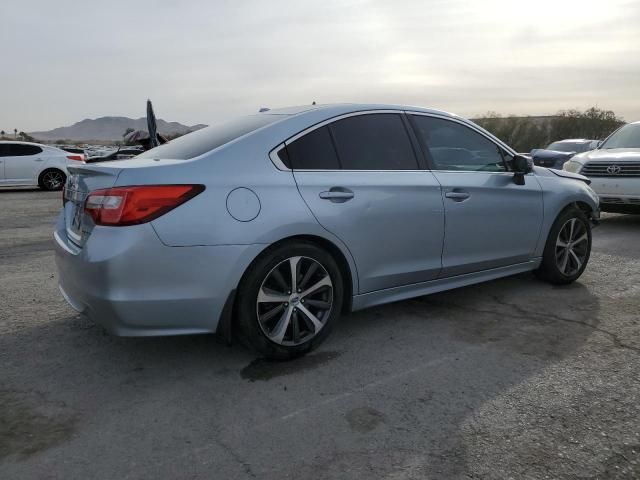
column 572, row 166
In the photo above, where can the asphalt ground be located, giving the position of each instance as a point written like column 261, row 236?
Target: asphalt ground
column 509, row 379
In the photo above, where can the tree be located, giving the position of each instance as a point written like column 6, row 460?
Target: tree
column 527, row 133
column 1, row 133
column 127, row 131
column 15, row 132
column 26, row 137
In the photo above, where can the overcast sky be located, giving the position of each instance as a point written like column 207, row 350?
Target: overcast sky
column 199, row 61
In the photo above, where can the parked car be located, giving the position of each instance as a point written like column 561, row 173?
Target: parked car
column 72, row 149
column 559, row 152
column 274, row 224
column 119, row 154
column 614, row 169
column 26, row 163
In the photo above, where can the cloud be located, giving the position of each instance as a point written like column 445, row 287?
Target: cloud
column 201, row 61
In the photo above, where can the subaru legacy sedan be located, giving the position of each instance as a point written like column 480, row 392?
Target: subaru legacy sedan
column 270, row 226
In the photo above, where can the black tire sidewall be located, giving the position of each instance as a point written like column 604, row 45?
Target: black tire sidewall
column 250, row 331
column 44, row 172
column 549, row 270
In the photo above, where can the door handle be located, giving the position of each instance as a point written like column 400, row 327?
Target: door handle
column 457, row 196
column 337, row 194
column 38, row 159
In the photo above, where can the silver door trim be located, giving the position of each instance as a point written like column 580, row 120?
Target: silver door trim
column 273, row 154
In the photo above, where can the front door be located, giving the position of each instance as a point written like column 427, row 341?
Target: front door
column 490, row 221
column 22, row 163
column 360, row 177
column 4, row 152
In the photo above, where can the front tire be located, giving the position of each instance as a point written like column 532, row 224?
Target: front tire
column 289, row 300
column 568, row 248
column 52, row 179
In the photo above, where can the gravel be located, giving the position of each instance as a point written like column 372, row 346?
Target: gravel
column 509, row 379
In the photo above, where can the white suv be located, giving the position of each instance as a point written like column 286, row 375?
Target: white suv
column 25, row 163
column 614, row 170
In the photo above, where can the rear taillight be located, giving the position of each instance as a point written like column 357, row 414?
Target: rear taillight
column 121, row 206
column 77, row 158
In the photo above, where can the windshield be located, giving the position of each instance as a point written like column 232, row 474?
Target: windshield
column 568, row 147
column 626, row 137
column 202, row 141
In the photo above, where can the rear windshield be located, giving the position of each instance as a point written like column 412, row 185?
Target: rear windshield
column 202, row 141
column 569, row 147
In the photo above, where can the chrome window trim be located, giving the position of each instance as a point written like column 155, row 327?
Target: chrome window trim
column 275, row 159
column 345, row 170
column 273, row 154
column 468, row 124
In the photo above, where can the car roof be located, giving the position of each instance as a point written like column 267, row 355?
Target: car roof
column 296, row 119
column 41, row 145
column 342, row 108
column 24, row 143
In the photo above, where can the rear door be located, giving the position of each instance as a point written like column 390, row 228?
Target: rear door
column 490, row 221
column 361, row 178
column 4, row 152
column 22, row 163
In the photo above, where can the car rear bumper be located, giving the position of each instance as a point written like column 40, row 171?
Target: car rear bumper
column 126, row 280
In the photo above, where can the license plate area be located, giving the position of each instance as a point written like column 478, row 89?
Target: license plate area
column 74, row 209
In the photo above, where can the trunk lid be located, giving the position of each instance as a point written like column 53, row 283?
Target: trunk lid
column 82, row 180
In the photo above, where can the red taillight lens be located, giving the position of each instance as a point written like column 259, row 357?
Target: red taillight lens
column 77, row 158
column 121, row 206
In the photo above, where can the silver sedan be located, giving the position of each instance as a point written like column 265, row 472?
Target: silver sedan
column 269, row 226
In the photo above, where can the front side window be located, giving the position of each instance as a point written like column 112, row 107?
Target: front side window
column 373, row 142
column 20, row 150
column 455, row 147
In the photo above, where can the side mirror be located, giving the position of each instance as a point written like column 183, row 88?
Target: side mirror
column 521, row 165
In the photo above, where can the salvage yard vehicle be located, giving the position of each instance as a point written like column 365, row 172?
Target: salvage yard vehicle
column 117, row 154
column 557, row 153
column 614, row 170
column 26, row 163
column 272, row 225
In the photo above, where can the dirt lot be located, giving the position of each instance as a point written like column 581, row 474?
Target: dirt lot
column 510, row 379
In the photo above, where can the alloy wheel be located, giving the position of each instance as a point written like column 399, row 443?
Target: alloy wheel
column 572, row 247
column 53, row 180
column 294, row 301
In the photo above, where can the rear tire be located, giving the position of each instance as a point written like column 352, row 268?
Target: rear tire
column 568, row 248
column 52, row 179
column 281, row 320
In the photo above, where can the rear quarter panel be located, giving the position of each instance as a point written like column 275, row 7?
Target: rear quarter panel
column 55, row 159
column 205, row 219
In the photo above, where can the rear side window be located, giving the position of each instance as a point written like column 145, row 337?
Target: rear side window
column 202, row 141
column 373, row 142
column 453, row 146
column 19, row 150
column 313, row 151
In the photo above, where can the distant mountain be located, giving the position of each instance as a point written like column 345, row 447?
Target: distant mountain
column 110, row 128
